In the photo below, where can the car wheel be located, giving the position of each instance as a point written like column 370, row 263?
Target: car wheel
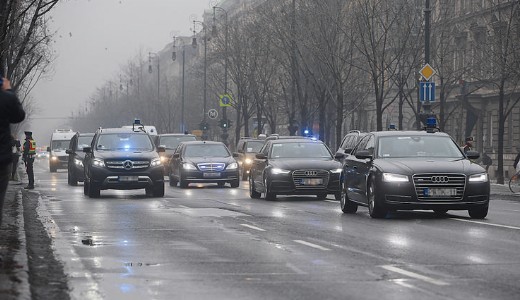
column 321, row 196
column 479, row 212
column 440, row 212
column 252, row 192
column 347, row 206
column 93, row 190
column 158, row 189
column 375, row 208
column 235, row 184
column 183, row 183
column 268, row 194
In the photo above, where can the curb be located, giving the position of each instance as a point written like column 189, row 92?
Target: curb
column 20, row 256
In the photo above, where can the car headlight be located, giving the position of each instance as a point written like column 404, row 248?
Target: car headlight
column 389, row 177
column 336, row 171
column 276, row 171
column 187, row 166
column 232, row 166
column 248, row 161
column 164, row 159
column 482, row 177
column 156, row 162
column 96, row 162
column 78, row 162
column 54, row 158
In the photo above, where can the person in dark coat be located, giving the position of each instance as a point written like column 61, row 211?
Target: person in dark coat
column 29, row 154
column 11, row 111
column 486, row 160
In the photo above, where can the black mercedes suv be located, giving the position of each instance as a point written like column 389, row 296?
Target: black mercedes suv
column 123, row 159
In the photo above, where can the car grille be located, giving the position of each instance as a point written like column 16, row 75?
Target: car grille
column 211, row 167
column 300, row 175
column 427, row 182
column 127, row 164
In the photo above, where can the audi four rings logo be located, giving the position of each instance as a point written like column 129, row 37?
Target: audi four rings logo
column 311, row 173
column 128, row 165
column 439, row 179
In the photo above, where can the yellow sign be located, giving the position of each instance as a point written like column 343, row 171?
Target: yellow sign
column 197, row 133
column 427, row 72
column 225, row 100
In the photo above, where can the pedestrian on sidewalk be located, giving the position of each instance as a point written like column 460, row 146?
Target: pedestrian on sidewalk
column 29, row 153
column 16, row 157
column 11, row 111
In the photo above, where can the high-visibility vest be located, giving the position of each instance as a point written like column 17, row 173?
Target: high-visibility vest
column 32, row 147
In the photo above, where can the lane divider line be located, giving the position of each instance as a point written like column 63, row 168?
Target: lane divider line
column 253, row 227
column 414, row 275
column 488, row 224
column 311, row 245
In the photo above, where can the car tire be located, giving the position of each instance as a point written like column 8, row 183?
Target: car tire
column 337, row 196
column 321, row 196
column 235, row 184
column 158, row 189
column 479, row 212
column 93, row 190
column 268, row 195
column 183, row 183
column 252, row 192
column 376, row 209
column 346, row 205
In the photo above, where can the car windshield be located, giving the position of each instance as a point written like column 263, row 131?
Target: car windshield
column 300, row 150
column 84, row 141
column 171, row 142
column 60, row 144
column 254, row 146
column 418, row 146
column 206, row 150
column 124, row 141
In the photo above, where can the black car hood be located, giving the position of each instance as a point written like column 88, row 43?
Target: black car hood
column 126, row 155
column 408, row 166
column 304, row 163
column 198, row 160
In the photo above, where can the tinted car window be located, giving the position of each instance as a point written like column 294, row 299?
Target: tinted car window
column 299, row 150
column 63, row 144
column 253, row 146
column 418, row 146
column 124, row 141
column 206, row 150
column 171, row 142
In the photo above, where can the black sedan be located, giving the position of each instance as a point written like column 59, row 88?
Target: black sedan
column 203, row 162
column 407, row 170
column 295, row 167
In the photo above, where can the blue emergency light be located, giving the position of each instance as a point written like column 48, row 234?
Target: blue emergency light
column 431, row 122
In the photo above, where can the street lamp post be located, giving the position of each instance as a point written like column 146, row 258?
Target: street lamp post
column 194, row 44
column 224, row 108
column 150, row 70
column 174, row 57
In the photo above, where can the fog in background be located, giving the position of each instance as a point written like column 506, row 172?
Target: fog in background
column 94, row 38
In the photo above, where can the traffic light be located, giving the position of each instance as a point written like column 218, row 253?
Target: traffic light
column 225, row 123
column 204, row 125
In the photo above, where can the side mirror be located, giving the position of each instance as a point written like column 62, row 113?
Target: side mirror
column 363, row 154
column 161, row 149
column 87, row 149
column 48, row 149
column 69, row 151
column 176, row 155
column 260, row 156
column 472, row 154
column 236, row 155
column 339, row 155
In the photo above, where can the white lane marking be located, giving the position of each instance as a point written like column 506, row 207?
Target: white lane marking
column 414, row 275
column 489, row 224
column 253, row 227
column 311, row 245
column 182, row 206
column 402, row 282
column 295, row 269
column 332, row 201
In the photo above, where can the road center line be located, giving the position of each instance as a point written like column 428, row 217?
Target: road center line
column 489, row 224
column 414, row 275
column 253, row 227
column 311, row 245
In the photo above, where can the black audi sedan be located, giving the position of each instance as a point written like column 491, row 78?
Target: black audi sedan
column 295, row 167
column 408, row 170
column 203, row 162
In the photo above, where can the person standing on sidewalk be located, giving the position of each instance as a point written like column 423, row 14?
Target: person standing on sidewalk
column 29, row 153
column 11, row 111
column 16, row 157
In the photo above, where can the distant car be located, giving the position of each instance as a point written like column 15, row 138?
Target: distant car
column 295, row 167
column 170, row 141
column 60, row 140
column 203, row 162
column 123, row 159
column 247, row 148
column 76, row 156
column 42, row 154
column 406, row 170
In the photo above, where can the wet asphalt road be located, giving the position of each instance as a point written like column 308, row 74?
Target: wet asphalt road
column 206, row 242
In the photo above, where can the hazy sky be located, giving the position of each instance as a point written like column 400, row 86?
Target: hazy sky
column 94, row 38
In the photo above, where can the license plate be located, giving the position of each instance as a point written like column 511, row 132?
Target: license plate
column 128, row 178
column 440, row 192
column 312, row 181
column 211, row 175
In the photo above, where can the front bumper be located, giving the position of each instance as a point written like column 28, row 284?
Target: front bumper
column 203, row 177
column 61, row 162
column 112, row 179
column 286, row 184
